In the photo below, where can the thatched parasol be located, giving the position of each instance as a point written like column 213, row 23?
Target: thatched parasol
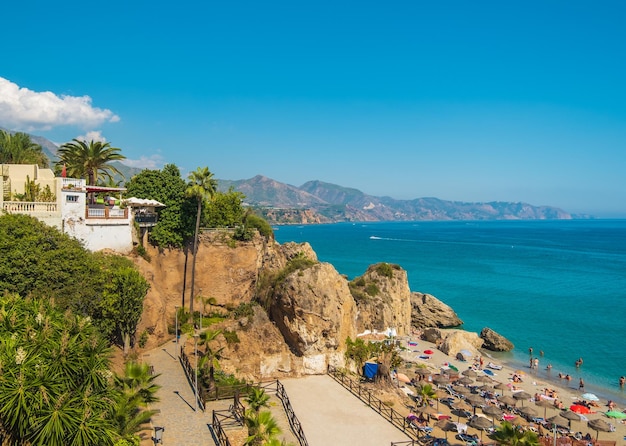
column 500, row 386
column 469, row 372
column 528, row 411
column 493, row 411
column 557, row 419
column 545, row 404
column 599, row 425
column 484, row 379
column 480, row 423
column 446, row 426
column 466, row 381
column 425, row 409
column 461, row 390
column 508, row 400
column 521, row 396
column 570, row 416
column 441, row 379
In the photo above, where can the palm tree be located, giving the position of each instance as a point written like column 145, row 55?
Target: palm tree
column 211, row 356
column 90, row 161
column 426, row 393
column 262, row 428
column 509, row 435
column 202, row 186
column 257, row 398
column 18, row 148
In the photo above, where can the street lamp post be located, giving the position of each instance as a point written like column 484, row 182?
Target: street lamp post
column 176, row 328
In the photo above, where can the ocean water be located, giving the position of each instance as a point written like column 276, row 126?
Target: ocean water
column 556, row 286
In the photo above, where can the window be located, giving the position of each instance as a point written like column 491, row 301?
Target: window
column 72, row 198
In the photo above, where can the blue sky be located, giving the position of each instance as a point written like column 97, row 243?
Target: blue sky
column 469, row 101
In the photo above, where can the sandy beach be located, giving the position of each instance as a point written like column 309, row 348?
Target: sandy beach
column 567, row 395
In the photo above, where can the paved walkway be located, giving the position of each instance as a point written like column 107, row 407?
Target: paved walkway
column 183, row 425
column 331, row 415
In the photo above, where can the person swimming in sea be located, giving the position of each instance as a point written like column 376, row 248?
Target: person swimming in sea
column 579, row 362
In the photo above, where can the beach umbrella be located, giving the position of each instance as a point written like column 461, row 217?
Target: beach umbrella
column 589, row 397
column 461, row 390
column 441, row 379
column 486, row 388
column 508, row 400
column 466, row 381
column 500, row 386
column 522, row 396
column 528, row 411
column 518, row 421
column 446, row 426
column 493, row 411
column 615, row 414
column 557, row 419
column 480, row 423
column 484, row 379
column 570, row 416
column 425, row 410
column 461, row 408
column 475, row 400
column 470, row 373
column 599, row 425
column 545, row 404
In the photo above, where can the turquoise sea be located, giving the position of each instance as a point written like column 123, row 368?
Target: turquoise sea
column 556, row 286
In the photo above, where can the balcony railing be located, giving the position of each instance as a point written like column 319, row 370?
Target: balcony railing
column 30, row 207
column 106, row 212
column 73, row 183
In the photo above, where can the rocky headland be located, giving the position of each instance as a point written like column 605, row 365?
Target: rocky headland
column 306, row 310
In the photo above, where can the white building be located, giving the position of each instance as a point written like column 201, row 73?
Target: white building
column 101, row 224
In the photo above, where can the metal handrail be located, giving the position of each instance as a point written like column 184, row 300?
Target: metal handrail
column 295, row 424
column 222, row 438
column 190, row 373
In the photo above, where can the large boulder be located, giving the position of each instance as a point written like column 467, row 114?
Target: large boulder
column 456, row 340
column 314, row 310
column 494, row 341
column 428, row 311
column 383, row 299
column 432, row 335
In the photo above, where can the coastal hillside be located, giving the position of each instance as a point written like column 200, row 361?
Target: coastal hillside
column 320, row 202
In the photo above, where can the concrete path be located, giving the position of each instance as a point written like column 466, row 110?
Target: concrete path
column 183, row 425
column 331, row 415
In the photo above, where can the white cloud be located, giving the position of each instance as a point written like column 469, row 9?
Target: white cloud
column 146, row 162
column 94, row 135
column 24, row 109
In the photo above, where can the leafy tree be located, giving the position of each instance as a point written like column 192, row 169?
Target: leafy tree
column 18, row 148
column 509, row 435
column 254, row 221
column 167, row 186
column 262, row 428
column 122, row 303
column 358, row 352
column 202, row 187
column 41, row 261
column 91, row 161
column 55, row 383
column 225, row 210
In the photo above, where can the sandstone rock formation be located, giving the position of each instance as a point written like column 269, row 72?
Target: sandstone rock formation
column 456, row 340
column 383, row 299
column 314, row 310
column 494, row 341
column 428, row 311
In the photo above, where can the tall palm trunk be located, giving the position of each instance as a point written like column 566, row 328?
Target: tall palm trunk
column 195, row 253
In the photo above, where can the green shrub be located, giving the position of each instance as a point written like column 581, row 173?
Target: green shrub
column 143, row 339
column 245, row 309
column 231, row 337
column 384, row 269
column 372, row 289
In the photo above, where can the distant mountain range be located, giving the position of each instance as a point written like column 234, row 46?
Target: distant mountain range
column 319, row 202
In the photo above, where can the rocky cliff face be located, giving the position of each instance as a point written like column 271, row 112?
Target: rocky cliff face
column 311, row 308
column 383, row 299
